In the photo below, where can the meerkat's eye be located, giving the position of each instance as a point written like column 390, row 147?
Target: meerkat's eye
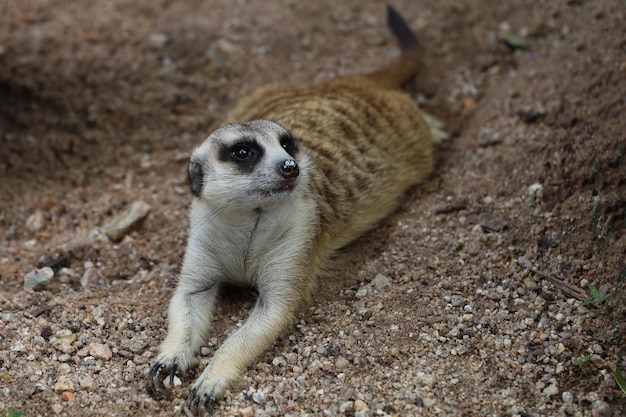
column 246, row 154
column 242, row 152
column 288, row 143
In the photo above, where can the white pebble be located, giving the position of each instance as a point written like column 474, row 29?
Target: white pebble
column 38, row 279
column 567, row 397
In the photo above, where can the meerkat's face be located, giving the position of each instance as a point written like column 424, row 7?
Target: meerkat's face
column 247, row 165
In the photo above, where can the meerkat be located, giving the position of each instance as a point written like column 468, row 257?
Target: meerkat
column 292, row 176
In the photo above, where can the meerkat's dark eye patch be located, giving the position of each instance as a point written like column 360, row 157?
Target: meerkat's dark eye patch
column 289, row 144
column 245, row 153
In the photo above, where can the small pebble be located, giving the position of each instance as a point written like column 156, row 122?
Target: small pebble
column 247, row 412
column 87, row 383
column 360, row 405
column 567, row 397
column 221, row 51
column 100, row 351
column 176, row 382
column 381, row 281
column 63, row 384
column 487, row 136
column 600, row 408
column 67, row 396
column 158, row 40
column 551, row 390
column 469, row 104
column 535, row 191
column 38, row 279
column 341, row 363
column 89, row 277
column 279, row 361
column 259, row 397
column 36, row 221
column 128, row 221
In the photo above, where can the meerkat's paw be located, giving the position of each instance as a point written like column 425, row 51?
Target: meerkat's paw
column 437, row 128
column 168, row 362
column 211, row 385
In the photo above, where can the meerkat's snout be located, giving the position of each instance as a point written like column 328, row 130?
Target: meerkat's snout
column 289, row 169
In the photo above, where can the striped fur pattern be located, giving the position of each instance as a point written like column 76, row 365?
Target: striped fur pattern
column 292, row 176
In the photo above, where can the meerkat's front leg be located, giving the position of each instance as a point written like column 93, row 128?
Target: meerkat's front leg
column 190, row 316
column 279, row 297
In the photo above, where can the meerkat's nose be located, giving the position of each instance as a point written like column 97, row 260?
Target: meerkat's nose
column 289, row 169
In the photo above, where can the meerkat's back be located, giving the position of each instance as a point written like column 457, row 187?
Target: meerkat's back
column 368, row 140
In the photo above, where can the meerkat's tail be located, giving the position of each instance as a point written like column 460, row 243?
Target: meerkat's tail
column 403, row 68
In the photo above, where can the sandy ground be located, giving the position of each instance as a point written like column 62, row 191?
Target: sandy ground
column 484, row 267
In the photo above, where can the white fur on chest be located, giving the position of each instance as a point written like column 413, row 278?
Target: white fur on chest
column 241, row 245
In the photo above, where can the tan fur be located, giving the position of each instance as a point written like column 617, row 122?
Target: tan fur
column 362, row 143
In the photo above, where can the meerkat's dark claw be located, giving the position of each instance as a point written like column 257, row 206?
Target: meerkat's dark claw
column 192, row 397
column 173, row 373
column 202, row 403
column 155, row 371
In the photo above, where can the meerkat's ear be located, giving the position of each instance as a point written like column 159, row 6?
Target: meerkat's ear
column 195, row 176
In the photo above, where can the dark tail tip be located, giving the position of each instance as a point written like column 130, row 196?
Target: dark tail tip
column 401, row 30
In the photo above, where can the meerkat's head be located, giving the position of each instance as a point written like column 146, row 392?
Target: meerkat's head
column 247, row 165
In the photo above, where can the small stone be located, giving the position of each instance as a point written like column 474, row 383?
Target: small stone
column 128, row 221
column 247, row 412
column 363, row 292
column 87, row 383
column 36, row 221
column 345, row 406
column 567, row 397
column 429, row 402
column 18, row 346
column 341, row 363
column 598, row 362
column 600, row 408
column 425, row 378
column 38, row 279
column 279, row 361
column 175, row 382
column 100, row 351
column 63, row 384
column 469, row 104
column 158, row 40
column 487, row 136
column 530, row 283
column 360, row 405
column 89, row 277
column 57, row 408
column 259, row 397
column 67, row 396
column 381, row 281
column 535, row 191
column 221, row 51
column 551, row 390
